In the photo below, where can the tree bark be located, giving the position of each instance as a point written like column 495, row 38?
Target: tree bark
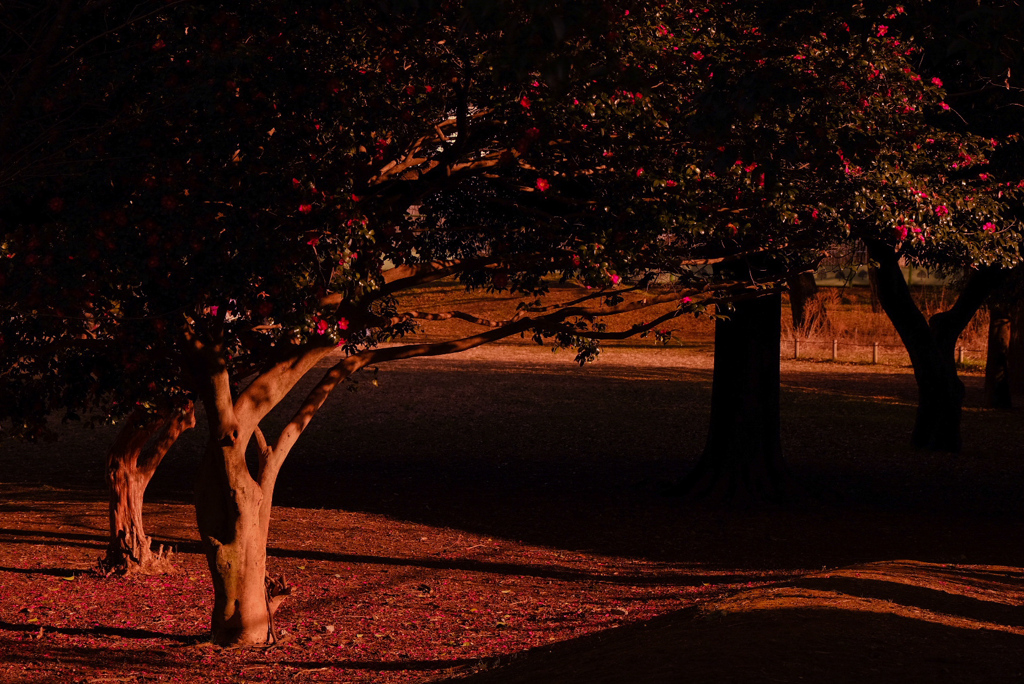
column 742, row 459
column 804, row 303
column 931, row 344
column 233, row 515
column 997, row 371
column 132, row 461
column 1015, row 353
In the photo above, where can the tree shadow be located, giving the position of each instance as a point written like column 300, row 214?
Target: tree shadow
column 808, row 644
column 676, row 579
column 122, row 632
column 384, row 666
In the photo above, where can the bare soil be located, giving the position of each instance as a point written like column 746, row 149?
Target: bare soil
column 498, row 516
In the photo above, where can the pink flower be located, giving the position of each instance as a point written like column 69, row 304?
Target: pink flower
column 945, row 107
column 937, row 82
column 321, row 326
column 640, row 172
column 686, row 300
column 616, row 280
column 343, row 324
column 542, row 185
column 941, row 210
column 983, row 176
column 989, row 227
column 575, row 259
column 313, row 241
column 671, row 183
column 525, row 102
column 305, row 208
column 214, row 310
column 901, row 230
column 697, row 55
column 882, row 30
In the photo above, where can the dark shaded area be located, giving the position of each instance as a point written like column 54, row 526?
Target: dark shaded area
column 803, row 643
column 578, row 458
column 920, row 597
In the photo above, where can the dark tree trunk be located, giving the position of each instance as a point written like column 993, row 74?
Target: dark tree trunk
column 876, row 305
column 931, row 344
column 132, row 461
column 1015, row 353
column 804, row 303
column 743, row 456
column 997, row 370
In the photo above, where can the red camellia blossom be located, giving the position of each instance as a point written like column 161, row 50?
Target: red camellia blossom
column 989, row 227
column 882, row 30
column 305, row 208
column 343, row 324
column 525, row 102
column 941, row 210
column 542, row 184
column 937, row 82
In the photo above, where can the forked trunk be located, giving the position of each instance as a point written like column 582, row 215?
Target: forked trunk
column 131, row 463
column 931, row 344
column 743, row 456
column 233, row 514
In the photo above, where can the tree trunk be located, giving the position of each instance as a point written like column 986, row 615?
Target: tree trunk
column 876, row 304
column 997, row 371
column 233, row 515
column 804, row 304
column 1015, row 353
column 743, row 455
column 931, row 344
column 131, row 463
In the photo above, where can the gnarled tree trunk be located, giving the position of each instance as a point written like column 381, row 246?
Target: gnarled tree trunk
column 742, row 459
column 233, row 514
column 931, row 344
column 132, row 461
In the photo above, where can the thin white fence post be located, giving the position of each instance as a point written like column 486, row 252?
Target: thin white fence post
column 960, row 355
column 796, row 347
column 835, row 350
column 874, row 353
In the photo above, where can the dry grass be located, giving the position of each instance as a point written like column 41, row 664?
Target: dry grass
column 842, row 314
column 846, row 316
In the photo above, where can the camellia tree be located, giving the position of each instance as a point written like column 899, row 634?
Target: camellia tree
column 966, row 51
column 275, row 181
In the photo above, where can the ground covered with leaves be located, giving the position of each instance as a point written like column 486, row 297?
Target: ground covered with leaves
column 500, row 516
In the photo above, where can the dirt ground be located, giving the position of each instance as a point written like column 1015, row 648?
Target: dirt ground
column 498, row 516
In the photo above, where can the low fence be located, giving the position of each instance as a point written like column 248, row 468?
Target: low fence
column 850, row 352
